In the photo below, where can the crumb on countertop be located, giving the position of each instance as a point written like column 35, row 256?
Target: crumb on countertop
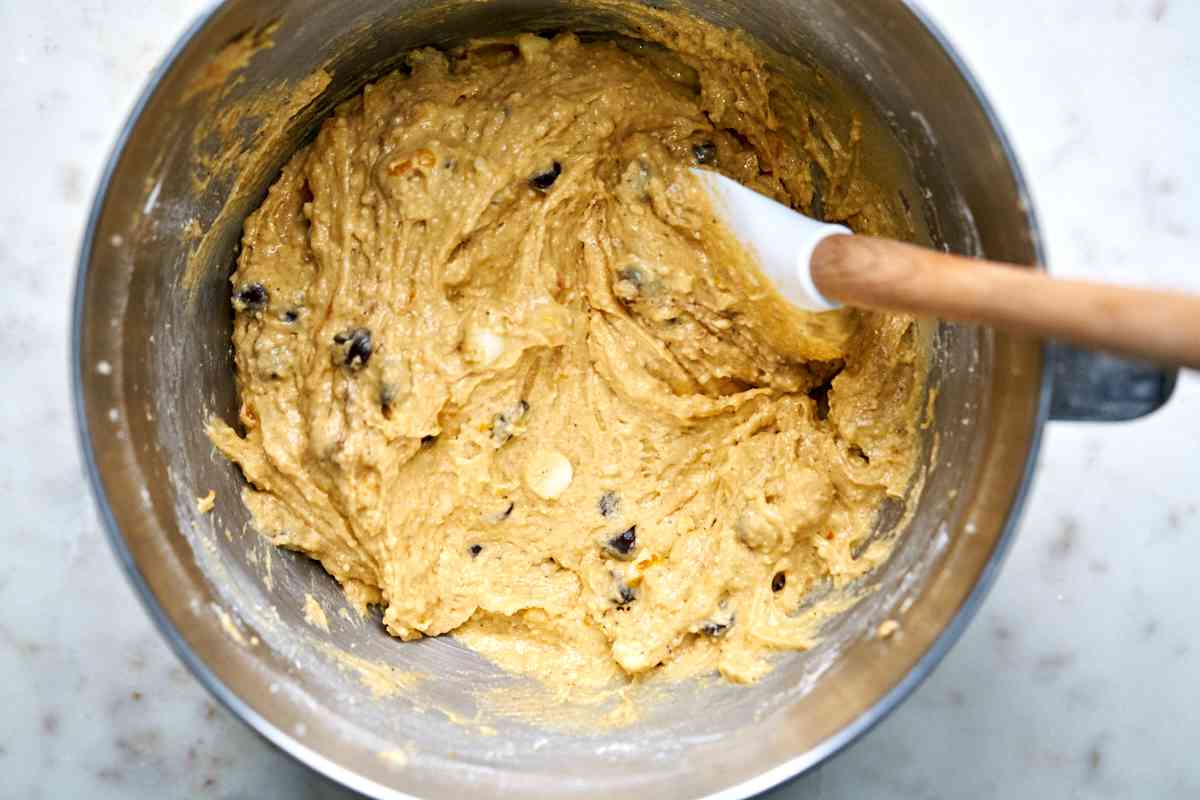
column 205, row 504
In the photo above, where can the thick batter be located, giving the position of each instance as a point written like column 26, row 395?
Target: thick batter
column 503, row 375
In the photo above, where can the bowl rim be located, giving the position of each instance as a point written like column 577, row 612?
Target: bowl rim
column 775, row 777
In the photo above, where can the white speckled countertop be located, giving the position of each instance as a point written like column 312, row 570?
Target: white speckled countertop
column 1076, row 680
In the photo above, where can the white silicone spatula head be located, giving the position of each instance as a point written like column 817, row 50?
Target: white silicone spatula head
column 783, row 240
column 810, row 262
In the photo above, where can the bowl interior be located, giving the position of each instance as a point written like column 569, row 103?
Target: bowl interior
column 430, row 718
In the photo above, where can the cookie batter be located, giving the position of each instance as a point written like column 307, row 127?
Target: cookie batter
column 503, row 374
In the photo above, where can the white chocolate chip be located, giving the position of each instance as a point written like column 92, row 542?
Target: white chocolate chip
column 483, row 346
column 548, row 474
column 631, row 655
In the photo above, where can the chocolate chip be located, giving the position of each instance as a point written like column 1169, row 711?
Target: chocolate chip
column 720, row 622
column 387, row 396
column 290, row 316
column 475, row 550
column 544, row 180
column 625, row 594
column 636, row 178
column 623, row 544
column 251, row 297
column 609, row 504
column 859, row 453
column 820, row 396
column 503, row 424
column 778, row 582
column 634, row 281
column 358, row 347
column 634, row 275
column 360, row 350
column 499, row 516
column 704, row 153
column 428, row 440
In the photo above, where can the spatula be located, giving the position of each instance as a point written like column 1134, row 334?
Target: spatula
column 818, row 266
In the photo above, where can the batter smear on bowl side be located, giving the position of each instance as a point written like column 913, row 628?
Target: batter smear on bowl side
column 503, row 375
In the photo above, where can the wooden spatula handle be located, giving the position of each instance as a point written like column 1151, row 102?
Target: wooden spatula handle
column 882, row 274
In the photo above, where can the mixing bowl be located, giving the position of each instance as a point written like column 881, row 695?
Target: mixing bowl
column 247, row 84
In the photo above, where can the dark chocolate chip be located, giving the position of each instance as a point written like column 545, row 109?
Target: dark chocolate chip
column 704, row 153
column 778, row 582
column 634, row 275
column 544, row 180
column 500, row 516
column 387, row 396
column 360, row 351
column 859, row 453
column 720, row 622
column 475, row 550
column 623, row 544
column 428, row 440
column 820, row 396
column 504, row 422
column 252, row 297
column 625, row 594
column 609, row 504
column 291, row 316
column 358, row 347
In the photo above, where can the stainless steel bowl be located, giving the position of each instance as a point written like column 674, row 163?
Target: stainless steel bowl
column 152, row 360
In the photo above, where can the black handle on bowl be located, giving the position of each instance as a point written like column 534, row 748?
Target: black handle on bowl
column 1097, row 387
